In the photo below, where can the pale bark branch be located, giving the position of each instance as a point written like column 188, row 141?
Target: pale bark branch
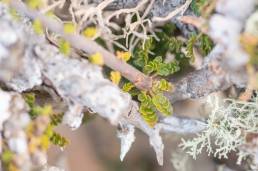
column 79, row 42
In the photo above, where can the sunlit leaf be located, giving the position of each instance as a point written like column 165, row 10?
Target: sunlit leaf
column 97, row 59
column 115, row 77
column 90, row 32
column 162, row 104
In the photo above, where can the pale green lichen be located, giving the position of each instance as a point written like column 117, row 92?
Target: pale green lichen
column 227, row 128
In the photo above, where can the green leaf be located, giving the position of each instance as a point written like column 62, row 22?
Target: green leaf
column 196, row 6
column 146, row 110
column 163, row 70
column 127, row 87
column 162, row 104
column 58, row 139
column 149, row 68
column 144, row 98
column 30, row 99
column 206, row 44
column 173, row 67
column 175, row 45
column 190, row 47
column 36, row 111
column 148, row 114
column 56, row 119
column 141, row 53
column 164, row 85
column 158, row 60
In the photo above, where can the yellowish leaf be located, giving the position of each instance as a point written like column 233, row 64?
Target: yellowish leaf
column 34, row 143
column 115, row 77
column 125, row 56
column 51, row 14
column 44, row 142
column 90, row 32
column 64, row 47
column 47, row 110
column 127, row 87
column 37, row 26
column 97, row 59
column 69, row 28
column 34, row 3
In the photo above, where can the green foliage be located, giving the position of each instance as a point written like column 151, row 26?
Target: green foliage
column 197, row 5
column 203, row 44
column 147, row 109
column 58, row 139
column 154, row 101
column 169, row 44
column 169, row 28
column 127, row 87
column 162, row 104
column 206, row 44
column 30, row 99
column 148, row 114
column 141, row 55
column 153, row 65
column 174, row 45
column 130, row 88
column 36, row 110
column 190, row 47
column 144, row 56
column 161, row 68
column 150, row 58
column 145, row 99
column 55, row 119
column 161, row 85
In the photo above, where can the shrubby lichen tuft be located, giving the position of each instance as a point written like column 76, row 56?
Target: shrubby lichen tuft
column 227, row 128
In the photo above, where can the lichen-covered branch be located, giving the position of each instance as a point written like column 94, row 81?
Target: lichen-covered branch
column 28, row 60
column 88, row 46
column 79, row 83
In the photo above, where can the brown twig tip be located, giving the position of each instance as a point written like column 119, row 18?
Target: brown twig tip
column 143, row 82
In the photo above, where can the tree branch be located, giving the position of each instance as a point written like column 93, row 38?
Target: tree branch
column 81, row 85
column 140, row 80
column 212, row 77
